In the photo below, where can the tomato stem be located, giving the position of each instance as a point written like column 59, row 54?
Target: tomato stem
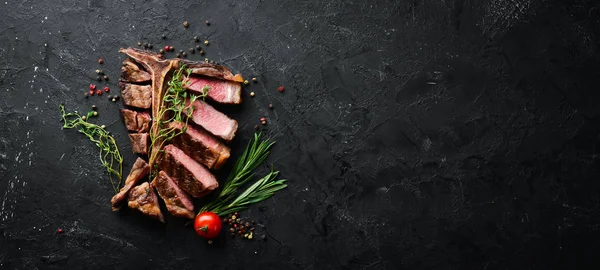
column 203, row 228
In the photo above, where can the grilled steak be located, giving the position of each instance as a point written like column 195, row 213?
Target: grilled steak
column 136, row 121
column 178, row 203
column 140, row 142
column 135, row 95
column 213, row 121
column 139, row 170
column 143, row 199
column 131, row 72
column 218, row 90
column 200, row 146
column 189, row 175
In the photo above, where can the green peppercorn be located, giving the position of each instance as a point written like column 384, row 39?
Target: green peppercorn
column 95, row 113
column 245, row 82
column 186, row 24
column 206, row 42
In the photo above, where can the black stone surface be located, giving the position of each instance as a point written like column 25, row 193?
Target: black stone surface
column 415, row 134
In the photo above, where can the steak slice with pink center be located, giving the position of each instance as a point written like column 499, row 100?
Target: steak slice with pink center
column 143, row 199
column 213, row 121
column 218, row 90
column 200, row 145
column 178, row 203
column 139, row 170
column 191, row 176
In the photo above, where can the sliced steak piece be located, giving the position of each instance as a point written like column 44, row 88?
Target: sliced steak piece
column 221, row 91
column 140, row 142
column 139, row 170
column 213, row 121
column 200, row 145
column 189, row 175
column 139, row 96
column 136, row 121
column 211, row 70
column 143, row 199
column 178, row 203
column 131, row 72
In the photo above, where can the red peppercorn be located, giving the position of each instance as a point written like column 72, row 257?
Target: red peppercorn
column 235, row 225
column 92, row 86
column 59, row 230
column 280, row 89
column 167, row 48
column 99, row 92
column 91, row 92
column 263, row 119
column 235, row 214
column 106, row 89
column 100, row 61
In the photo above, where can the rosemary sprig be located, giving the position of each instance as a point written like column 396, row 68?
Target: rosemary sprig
column 173, row 108
column 110, row 156
column 228, row 200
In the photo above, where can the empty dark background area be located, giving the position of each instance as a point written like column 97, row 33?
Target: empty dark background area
column 414, row 134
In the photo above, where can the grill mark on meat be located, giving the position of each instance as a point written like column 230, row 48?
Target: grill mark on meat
column 139, row 96
column 189, row 175
column 132, row 73
column 139, row 143
column 136, row 121
column 178, row 202
column 221, row 91
column 144, row 199
column 213, row 121
column 200, row 146
column 139, row 170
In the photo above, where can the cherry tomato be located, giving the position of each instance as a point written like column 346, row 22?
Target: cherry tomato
column 207, row 225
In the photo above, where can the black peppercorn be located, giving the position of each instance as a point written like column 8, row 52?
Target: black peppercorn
column 178, row 55
column 184, row 54
column 99, row 78
column 196, row 39
column 162, row 51
column 106, row 77
column 149, row 46
column 164, row 36
column 192, row 50
column 198, row 47
column 139, row 44
column 270, row 106
column 201, row 52
column 94, row 107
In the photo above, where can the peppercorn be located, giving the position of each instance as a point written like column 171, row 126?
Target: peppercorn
column 196, row 39
column 161, row 51
column 205, row 60
column 233, row 217
column 186, row 24
column 94, row 107
column 231, row 229
column 86, row 95
column 95, row 113
column 59, row 230
column 97, row 71
column 106, row 77
column 84, row 118
column 263, row 119
column 139, row 44
column 99, row 78
column 145, row 45
column 91, row 92
column 164, row 36
column 184, row 54
column 280, row 89
column 206, row 42
column 100, row 61
column 149, row 46
column 225, row 220
column 198, row 47
column 167, row 48
column 171, row 48
column 207, row 22
column 103, row 126
column 92, row 87
column 245, row 235
column 251, row 94
column 245, row 82
column 192, row 50
column 254, row 79
column 256, row 127
column 201, row 52
column 238, row 220
column 247, row 224
column 235, row 225
column 242, row 227
column 114, row 99
column 270, row 106
column 99, row 92
column 178, row 55
column 106, row 89
column 210, row 242
column 263, row 122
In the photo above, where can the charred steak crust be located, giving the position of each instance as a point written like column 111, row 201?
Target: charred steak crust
column 144, row 199
column 200, row 146
column 139, row 170
column 136, row 121
column 131, row 72
column 134, row 95
column 190, row 176
column 178, row 202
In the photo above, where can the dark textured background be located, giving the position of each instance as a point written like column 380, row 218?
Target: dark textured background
column 416, row 134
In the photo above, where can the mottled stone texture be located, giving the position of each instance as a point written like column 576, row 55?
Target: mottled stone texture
column 417, row 134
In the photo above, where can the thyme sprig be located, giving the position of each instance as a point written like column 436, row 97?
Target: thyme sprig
column 110, row 157
column 173, row 108
column 229, row 200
